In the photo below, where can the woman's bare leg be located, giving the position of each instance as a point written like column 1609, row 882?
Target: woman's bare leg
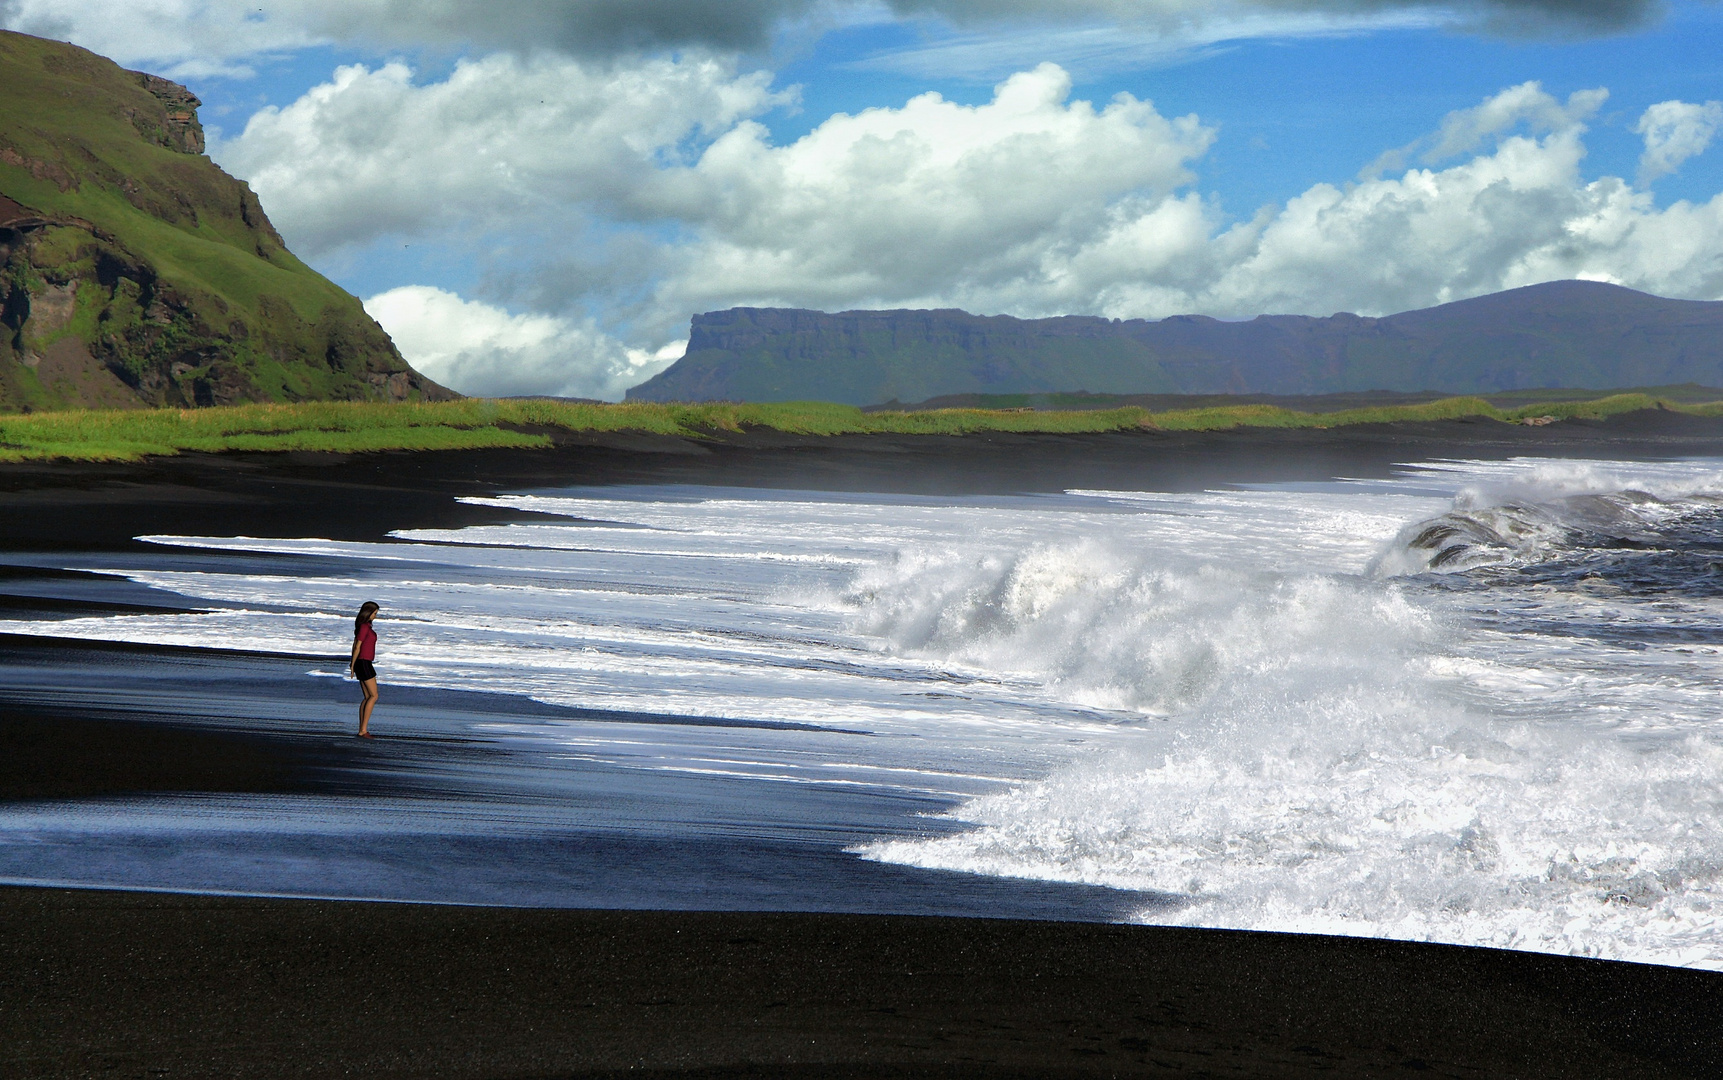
column 369, row 686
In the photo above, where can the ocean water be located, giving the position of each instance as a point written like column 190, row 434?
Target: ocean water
column 1476, row 703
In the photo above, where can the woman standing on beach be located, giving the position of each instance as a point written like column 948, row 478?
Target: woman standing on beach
column 359, row 664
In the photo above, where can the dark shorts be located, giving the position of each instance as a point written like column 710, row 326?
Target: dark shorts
column 365, row 670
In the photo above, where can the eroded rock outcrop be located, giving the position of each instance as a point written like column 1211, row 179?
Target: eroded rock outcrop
column 180, row 128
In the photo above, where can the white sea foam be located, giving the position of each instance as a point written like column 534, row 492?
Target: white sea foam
column 1346, row 756
column 1132, row 630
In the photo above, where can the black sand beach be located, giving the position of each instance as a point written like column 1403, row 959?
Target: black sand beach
column 131, row 985
column 134, row 984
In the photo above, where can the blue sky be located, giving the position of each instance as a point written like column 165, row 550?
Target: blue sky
column 618, row 176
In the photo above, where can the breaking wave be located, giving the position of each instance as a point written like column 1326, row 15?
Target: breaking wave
column 1374, row 752
column 1121, row 630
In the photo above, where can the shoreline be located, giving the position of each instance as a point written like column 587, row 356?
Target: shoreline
column 107, row 748
column 96, row 505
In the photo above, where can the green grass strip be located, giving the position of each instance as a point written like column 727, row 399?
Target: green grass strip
column 473, row 423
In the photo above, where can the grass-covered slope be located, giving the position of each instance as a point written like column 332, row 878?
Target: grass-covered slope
column 349, row 427
column 134, row 272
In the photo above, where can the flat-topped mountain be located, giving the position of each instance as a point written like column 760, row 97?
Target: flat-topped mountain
column 1559, row 334
column 134, row 272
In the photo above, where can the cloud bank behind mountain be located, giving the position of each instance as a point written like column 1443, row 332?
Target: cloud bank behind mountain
column 653, row 192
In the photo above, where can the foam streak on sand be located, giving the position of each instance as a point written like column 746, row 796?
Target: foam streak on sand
column 1472, row 704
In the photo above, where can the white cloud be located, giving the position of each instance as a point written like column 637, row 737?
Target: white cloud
column 502, row 141
column 1098, row 48
column 480, row 349
column 1675, row 131
column 1464, row 130
column 1512, row 217
column 931, row 200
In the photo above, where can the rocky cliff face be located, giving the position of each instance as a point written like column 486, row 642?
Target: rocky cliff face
column 134, row 272
column 1560, row 334
column 180, row 129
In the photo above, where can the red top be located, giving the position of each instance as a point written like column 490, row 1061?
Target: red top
column 367, row 642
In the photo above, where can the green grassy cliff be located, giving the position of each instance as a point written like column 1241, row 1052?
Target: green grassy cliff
column 134, row 272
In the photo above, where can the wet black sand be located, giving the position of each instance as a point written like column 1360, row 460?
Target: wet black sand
column 130, row 984
column 136, row 724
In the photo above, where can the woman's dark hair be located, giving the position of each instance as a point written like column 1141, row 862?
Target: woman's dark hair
column 366, row 610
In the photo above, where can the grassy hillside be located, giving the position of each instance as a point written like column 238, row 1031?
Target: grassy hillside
column 134, row 272
column 469, row 424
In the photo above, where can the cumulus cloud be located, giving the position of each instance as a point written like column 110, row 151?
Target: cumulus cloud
column 1464, row 130
column 478, row 348
column 192, row 37
column 501, row 140
column 1031, row 203
column 1524, row 107
column 872, row 208
column 893, row 204
column 1675, row 131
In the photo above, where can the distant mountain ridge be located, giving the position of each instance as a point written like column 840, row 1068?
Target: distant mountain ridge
column 134, row 272
column 1558, row 334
